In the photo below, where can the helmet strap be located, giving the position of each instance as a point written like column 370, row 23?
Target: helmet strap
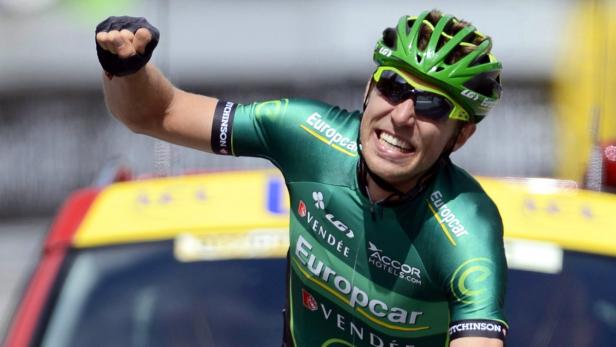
column 367, row 93
column 452, row 141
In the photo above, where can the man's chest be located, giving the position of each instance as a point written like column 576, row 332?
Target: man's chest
column 359, row 263
column 334, row 226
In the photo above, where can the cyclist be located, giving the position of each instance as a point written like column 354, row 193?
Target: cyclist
column 391, row 243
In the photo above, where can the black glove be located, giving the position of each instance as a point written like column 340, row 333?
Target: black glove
column 122, row 67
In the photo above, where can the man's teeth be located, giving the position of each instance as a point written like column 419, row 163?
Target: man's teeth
column 394, row 141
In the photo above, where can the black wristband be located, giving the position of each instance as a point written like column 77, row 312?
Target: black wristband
column 110, row 62
column 478, row 328
column 222, row 127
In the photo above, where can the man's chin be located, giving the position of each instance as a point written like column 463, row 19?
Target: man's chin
column 393, row 174
column 393, row 169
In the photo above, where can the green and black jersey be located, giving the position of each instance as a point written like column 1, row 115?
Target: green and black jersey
column 360, row 274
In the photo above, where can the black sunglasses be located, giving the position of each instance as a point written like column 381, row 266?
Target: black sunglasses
column 396, row 89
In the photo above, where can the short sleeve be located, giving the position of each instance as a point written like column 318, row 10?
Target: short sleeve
column 469, row 265
column 291, row 133
column 476, row 280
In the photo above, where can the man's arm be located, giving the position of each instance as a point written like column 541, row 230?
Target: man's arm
column 148, row 103
column 476, row 342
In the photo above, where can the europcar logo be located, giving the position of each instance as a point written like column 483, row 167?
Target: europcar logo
column 316, row 126
column 364, row 301
column 446, row 217
column 470, row 280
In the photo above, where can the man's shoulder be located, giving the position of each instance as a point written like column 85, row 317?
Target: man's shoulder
column 294, row 106
column 329, row 130
column 307, row 139
column 327, row 120
column 323, row 117
column 466, row 225
column 459, row 200
column 460, row 188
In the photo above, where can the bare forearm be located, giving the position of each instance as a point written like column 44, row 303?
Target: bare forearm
column 144, row 99
column 140, row 100
column 476, row 342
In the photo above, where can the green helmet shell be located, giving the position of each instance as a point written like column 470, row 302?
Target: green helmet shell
column 473, row 81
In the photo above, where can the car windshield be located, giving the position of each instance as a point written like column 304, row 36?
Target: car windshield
column 574, row 307
column 140, row 295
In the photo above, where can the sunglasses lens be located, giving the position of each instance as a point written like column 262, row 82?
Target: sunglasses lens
column 432, row 105
column 393, row 88
column 396, row 89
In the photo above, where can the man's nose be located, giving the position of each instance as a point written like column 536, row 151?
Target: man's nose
column 404, row 113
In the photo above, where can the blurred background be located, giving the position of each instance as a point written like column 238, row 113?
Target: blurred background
column 56, row 134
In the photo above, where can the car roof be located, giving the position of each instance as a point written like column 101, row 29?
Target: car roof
column 208, row 212
column 226, row 211
column 555, row 211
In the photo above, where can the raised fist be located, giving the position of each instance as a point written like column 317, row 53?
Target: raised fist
column 125, row 44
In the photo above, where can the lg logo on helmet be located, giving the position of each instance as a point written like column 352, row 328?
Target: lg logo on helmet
column 470, row 94
column 476, row 96
column 385, row 51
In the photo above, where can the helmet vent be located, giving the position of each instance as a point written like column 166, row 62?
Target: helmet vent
column 426, row 31
column 453, row 56
column 457, row 53
column 474, row 38
column 482, row 59
column 389, row 37
column 442, row 40
column 486, row 83
column 409, row 25
column 449, row 29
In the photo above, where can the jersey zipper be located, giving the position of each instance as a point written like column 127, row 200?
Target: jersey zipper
column 376, row 211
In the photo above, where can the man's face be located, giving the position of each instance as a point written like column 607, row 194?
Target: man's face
column 399, row 145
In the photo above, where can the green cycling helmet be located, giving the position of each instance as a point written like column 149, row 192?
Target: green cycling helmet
column 473, row 80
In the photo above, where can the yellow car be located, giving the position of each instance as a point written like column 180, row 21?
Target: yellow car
column 200, row 261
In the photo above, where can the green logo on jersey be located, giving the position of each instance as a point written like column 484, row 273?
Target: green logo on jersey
column 271, row 107
column 336, row 342
column 469, row 281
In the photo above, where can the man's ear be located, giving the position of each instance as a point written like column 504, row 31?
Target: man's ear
column 467, row 130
